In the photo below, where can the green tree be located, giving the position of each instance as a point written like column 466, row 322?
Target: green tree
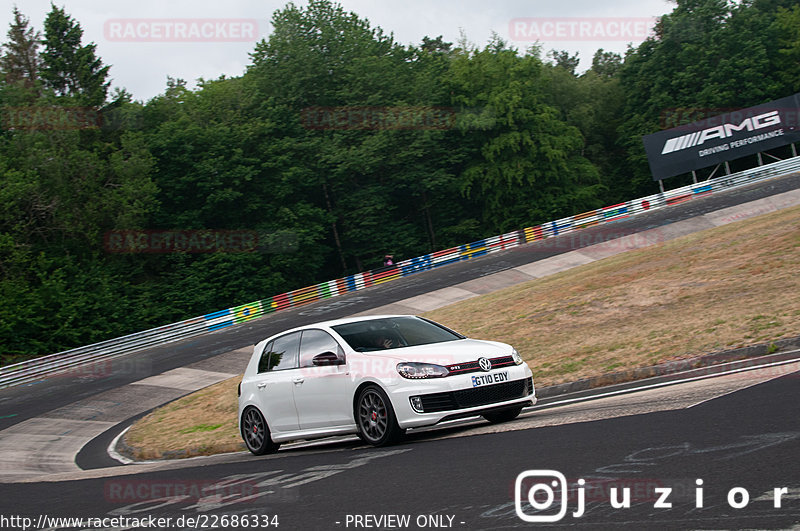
column 20, row 59
column 787, row 26
column 606, row 64
column 593, row 103
column 528, row 167
column 563, row 59
column 68, row 68
column 377, row 181
column 59, row 194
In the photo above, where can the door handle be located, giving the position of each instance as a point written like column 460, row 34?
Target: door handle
column 299, row 380
column 262, row 385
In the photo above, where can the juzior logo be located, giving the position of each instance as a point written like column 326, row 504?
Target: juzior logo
column 722, row 131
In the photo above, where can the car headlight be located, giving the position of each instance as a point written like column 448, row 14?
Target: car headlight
column 416, row 371
column 516, row 357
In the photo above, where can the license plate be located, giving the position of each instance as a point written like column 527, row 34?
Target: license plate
column 489, row 379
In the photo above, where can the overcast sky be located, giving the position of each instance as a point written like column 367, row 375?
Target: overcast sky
column 138, row 37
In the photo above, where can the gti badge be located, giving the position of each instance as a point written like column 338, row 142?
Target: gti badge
column 485, row 364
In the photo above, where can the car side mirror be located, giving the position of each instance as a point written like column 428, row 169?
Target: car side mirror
column 327, row 358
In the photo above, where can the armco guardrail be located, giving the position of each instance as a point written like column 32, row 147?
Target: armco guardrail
column 37, row 368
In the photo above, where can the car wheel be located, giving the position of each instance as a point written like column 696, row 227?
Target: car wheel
column 503, row 416
column 377, row 423
column 256, row 433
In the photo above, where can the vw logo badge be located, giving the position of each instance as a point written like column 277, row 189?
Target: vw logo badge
column 484, row 364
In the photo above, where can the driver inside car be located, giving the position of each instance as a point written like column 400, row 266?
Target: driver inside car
column 384, row 340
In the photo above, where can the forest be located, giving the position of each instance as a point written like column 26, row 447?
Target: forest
column 338, row 145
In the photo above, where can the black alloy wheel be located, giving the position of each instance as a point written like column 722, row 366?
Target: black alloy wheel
column 377, row 424
column 256, row 433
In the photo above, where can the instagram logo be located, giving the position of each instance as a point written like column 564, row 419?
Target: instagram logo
column 535, row 495
column 538, row 488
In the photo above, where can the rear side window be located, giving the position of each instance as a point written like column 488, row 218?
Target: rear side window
column 280, row 353
column 263, row 361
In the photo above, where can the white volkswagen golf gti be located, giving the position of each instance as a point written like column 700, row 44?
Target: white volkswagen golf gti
column 375, row 376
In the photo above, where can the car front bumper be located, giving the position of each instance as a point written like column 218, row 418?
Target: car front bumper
column 458, row 396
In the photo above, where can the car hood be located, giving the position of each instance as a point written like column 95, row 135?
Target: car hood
column 447, row 353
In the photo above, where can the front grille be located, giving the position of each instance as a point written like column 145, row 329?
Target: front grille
column 472, row 366
column 478, row 396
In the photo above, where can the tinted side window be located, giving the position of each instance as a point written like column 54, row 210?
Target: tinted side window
column 263, row 362
column 316, row 342
column 281, row 353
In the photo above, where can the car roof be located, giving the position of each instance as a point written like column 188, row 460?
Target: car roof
column 335, row 322
column 346, row 320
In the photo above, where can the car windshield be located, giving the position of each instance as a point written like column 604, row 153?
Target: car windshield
column 393, row 332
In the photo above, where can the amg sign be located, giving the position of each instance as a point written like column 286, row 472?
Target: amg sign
column 723, row 137
column 698, row 138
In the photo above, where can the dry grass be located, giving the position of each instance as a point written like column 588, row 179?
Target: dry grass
column 202, row 423
column 715, row 290
column 718, row 289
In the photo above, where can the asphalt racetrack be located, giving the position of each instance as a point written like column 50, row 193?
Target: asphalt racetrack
column 740, row 432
